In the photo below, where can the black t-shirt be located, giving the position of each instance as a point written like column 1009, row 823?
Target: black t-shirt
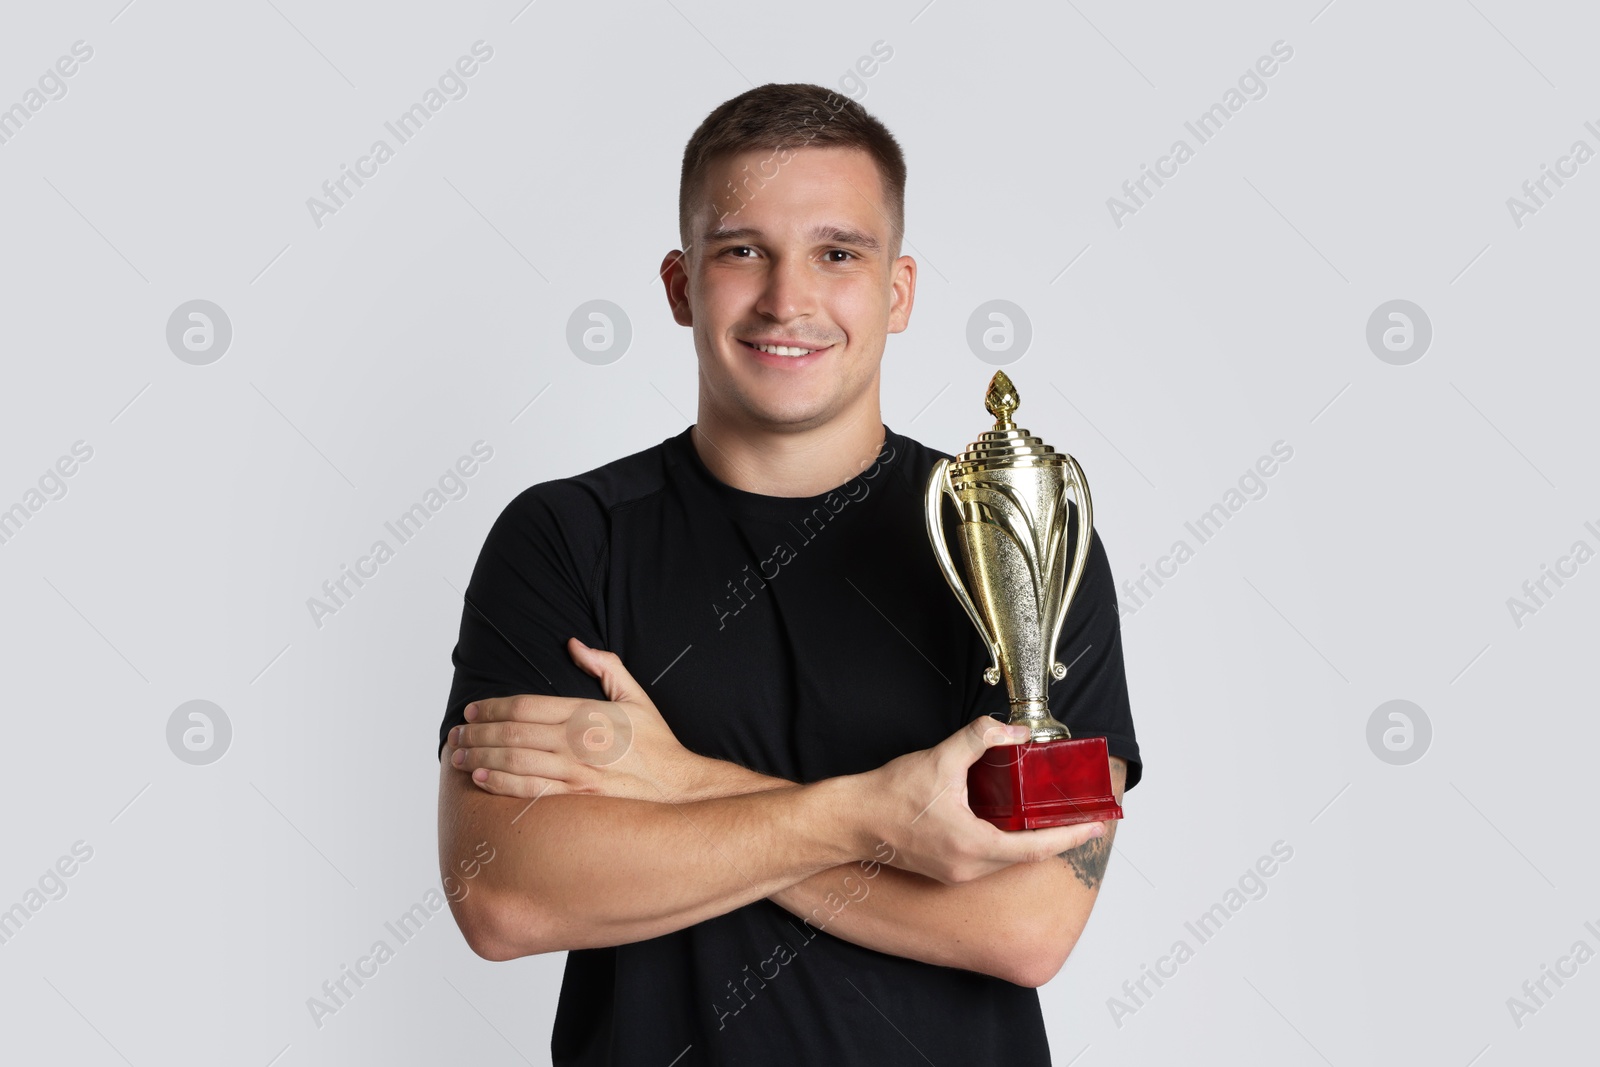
column 800, row 637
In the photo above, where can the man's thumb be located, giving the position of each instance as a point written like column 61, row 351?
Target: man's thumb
column 986, row 731
column 614, row 678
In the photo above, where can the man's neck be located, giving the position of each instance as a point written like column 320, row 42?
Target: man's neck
column 790, row 464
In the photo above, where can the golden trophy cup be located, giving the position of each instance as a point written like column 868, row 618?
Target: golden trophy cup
column 1024, row 556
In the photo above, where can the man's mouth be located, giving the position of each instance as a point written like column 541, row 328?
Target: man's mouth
column 787, row 351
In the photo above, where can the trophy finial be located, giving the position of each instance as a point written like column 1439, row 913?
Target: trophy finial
column 1001, row 400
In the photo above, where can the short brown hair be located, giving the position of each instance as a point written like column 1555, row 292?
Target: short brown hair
column 796, row 115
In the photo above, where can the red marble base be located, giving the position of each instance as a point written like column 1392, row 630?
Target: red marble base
column 1048, row 783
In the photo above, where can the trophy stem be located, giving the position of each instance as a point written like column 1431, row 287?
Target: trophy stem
column 1035, row 714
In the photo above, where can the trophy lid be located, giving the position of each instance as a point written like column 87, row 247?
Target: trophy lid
column 1007, row 444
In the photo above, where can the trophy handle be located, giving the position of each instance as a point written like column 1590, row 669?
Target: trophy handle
column 1080, row 554
column 938, row 485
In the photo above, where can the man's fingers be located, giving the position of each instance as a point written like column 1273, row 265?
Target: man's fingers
column 1031, row 846
column 523, row 762
column 515, row 785
column 522, row 708
column 614, row 678
column 545, row 737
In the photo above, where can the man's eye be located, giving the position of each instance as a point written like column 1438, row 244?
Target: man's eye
column 736, row 249
column 840, row 252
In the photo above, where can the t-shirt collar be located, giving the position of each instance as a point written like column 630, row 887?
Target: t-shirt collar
column 787, row 508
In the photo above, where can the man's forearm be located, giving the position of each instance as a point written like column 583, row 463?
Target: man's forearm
column 975, row 926
column 720, row 778
column 978, row 926
column 878, row 907
column 591, row 871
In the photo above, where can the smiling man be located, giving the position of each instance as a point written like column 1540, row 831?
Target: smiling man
column 765, row 854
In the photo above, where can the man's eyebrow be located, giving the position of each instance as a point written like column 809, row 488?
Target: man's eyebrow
column 834, row 234
column 845, row 236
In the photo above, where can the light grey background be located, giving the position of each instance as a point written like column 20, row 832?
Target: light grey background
column 1168, row 353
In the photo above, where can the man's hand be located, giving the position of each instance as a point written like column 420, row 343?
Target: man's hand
column 923, row 812
column 527, row 746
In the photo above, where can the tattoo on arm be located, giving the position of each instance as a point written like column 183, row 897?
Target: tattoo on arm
column 1088, row 861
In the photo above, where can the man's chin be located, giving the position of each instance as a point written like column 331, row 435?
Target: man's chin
column 787, row 416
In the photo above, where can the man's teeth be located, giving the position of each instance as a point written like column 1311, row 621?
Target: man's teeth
column 783, row 350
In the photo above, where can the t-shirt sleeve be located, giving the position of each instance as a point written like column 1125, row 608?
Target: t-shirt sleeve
column 1093, row 698
column 534, row 586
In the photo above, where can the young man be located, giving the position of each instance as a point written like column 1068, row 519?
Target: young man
column 765, row 855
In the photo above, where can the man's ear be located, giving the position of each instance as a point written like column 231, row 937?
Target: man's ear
column 903, row 292
column 675, row 278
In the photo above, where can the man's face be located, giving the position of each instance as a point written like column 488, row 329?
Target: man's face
column 790, row 250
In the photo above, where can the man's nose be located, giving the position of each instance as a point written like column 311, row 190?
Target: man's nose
column 790, row 292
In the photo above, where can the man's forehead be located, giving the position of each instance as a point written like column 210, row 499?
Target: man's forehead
column 746, row 188
column 812, row 154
